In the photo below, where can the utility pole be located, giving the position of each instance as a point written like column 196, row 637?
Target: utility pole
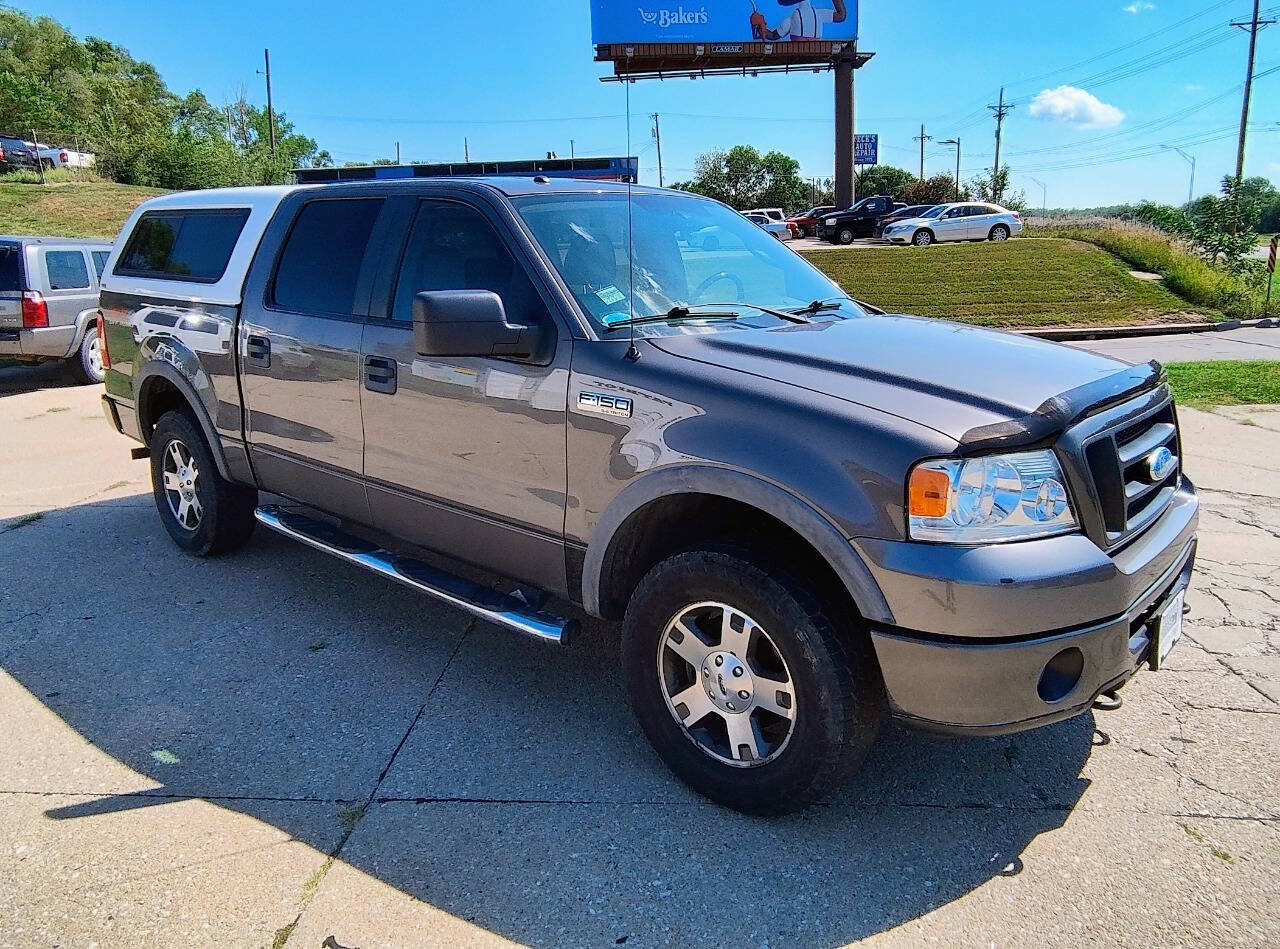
column 657, row 136
column 1191, row 160
column 1253, row 26
column 573, row 150
column 956, row 142
column 271, row 112
column 999, row 111
column 466, row 151
column 397, row 153
column 922, row 138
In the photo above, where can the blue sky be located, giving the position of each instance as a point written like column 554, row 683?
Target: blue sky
column 517, row 78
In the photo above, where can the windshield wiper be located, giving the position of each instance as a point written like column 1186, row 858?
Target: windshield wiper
column 819, row 306
column 695, row 311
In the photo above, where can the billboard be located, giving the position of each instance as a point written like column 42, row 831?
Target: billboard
column 723, row 21
column 866, row 149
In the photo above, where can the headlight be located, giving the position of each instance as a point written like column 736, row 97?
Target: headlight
column 830, row 222
column 989, row 500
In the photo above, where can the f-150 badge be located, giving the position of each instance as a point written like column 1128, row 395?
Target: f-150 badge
column 601, row 404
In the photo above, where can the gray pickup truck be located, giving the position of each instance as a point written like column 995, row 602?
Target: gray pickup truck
column 809, row 515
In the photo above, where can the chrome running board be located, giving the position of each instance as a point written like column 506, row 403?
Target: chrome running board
column 510, row 610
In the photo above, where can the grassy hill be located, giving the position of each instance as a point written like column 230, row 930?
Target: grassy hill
column 68, row 209
column 1020, row 283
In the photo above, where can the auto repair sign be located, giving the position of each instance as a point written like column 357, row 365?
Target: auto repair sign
column 723, row 21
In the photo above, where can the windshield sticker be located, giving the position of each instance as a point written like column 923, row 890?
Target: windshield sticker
column 610, row 295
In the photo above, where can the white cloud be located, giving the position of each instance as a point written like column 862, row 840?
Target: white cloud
column 1139, row 6
column 1076, row 107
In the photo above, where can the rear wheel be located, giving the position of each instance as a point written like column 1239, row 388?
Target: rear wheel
column 204, row 513
column 743, row 683
column 999, row 233
column 86, row 364
column 922, row 238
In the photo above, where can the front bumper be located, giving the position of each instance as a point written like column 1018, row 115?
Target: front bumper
column 980, row 626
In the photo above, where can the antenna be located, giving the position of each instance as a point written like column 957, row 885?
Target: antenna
column 632, row 353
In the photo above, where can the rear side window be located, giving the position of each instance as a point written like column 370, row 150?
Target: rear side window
column 320, row 266
column 10, row 267
column 100, row 261
column 193, row 245
column 66, row 269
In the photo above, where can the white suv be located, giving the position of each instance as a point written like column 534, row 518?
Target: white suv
column 964, row 221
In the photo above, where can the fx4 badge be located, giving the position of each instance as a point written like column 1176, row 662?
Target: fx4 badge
column 600, row 404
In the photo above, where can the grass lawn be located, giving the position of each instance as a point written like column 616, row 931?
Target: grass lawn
column 66, row 209
column 1210, row 384
column 1019, row 283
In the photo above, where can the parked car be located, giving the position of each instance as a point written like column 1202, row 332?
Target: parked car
column 49, row 302
column 900, row 214
column 806, row 222
column 66, row 158
column 808, row 518
column 773, row 214
column 844, row 227
column 964, row 221
column 15, row 155
column 779, row 229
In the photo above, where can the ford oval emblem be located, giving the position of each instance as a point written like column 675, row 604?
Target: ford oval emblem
column 1160, row 464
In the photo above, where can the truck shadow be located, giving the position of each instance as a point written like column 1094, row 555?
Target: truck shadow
column 506, row 782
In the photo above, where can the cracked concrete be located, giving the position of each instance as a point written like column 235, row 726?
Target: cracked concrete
column 272, row 748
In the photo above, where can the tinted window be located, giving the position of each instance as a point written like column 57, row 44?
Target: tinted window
column 10, row 267
column 323, row 256
column 453, row 247
column 67, row 270
column 192, row 245
column 100, row 258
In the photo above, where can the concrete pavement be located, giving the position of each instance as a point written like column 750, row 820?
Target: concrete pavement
column 1246, row 344
column 273, row 748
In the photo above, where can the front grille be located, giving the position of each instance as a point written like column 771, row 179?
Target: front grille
column 1119, row 459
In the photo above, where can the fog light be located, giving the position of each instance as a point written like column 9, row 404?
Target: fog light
column 1061, row 675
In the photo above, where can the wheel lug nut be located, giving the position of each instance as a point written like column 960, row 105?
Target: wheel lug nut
column 738, row 672
column 744, row 695
column 706, row 672
column 719, row 660
column 731, row 708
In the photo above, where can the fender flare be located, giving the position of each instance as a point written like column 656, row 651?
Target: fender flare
column 154, row 369
column 800, row 516
column 83, row 320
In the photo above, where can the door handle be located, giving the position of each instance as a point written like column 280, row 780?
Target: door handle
column 380, row 375
column 257, row 352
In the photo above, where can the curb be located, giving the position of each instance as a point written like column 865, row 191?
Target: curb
column 1069, row 334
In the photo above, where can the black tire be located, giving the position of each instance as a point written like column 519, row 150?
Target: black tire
column 804, row 232
column 922, row 238
column 839, row 696
column 847, row 235
column 226, row 520
column 86, row 364
column 999, row 233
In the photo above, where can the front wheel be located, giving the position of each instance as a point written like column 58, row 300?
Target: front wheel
column 922, row 238
column 745, row 685
column 999, row 233
column 204, row 513
column 846, row 235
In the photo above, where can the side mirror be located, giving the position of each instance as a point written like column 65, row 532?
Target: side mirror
column 469, row 323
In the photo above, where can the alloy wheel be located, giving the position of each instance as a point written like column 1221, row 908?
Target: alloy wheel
column 726, row 684
column 182, row 485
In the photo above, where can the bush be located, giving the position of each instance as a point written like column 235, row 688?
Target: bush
column 1146, row 248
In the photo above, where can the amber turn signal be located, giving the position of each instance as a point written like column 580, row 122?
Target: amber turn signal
column 929, row 493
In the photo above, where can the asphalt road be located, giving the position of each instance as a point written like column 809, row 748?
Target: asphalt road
column 273, row 747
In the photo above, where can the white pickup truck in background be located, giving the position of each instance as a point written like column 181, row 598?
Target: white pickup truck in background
column 55, row 157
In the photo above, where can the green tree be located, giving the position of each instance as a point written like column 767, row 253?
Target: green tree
column 743, row 178
column 936, row 190
column 993, row 188
column 885, row 179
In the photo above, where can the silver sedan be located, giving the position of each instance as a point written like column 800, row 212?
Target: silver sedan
column 962, row 221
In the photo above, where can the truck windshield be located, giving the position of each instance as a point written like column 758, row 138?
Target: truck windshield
column 688, row 252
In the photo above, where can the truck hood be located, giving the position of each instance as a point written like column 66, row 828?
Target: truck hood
column 964, row 382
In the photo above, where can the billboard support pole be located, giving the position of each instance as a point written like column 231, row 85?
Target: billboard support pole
column 845, row 126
